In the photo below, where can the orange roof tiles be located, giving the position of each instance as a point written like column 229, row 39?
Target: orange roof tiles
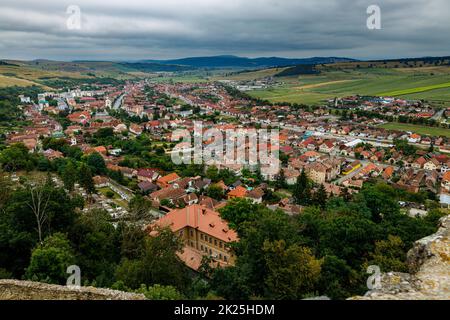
column 239, row 192
column 170, row 178
column 201, row 218
column 446, row 176
column 388, row 172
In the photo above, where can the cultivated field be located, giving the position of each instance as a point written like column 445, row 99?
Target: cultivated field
column 431, row 84
column 422, row 130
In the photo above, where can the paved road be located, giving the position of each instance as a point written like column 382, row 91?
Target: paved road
column 348, row 177
column 118, row 102
column 438, row 115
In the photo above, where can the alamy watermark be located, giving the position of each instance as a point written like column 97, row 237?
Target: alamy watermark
column 234, row 147
column 374, row 281
column 374, row 19
column 73, row 22
column 74, row 280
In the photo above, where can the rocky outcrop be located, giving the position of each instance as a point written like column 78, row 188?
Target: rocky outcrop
column 429, row 277
column 26, row 290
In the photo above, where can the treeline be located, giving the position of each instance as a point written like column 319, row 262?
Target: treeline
column 298, row 70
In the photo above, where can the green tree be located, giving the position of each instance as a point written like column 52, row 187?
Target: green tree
column 49, row 261
column 390, row 255
column 139, row 208
column 350, row 238
column 251, row 267
column 302, row 190
column 232, row 283
column 19, row 222
column 320, row 197
column 280, row 182
column 69, row 176
column 85, row 178
column 97, row 246
column 96, row 163
column 237, row 211
column 158, row 292
column 104, row 133
column 158, row 264
column 16, row 157
column 293, row 272
column 338, row 280
column 212, row 173
column 215, row 192
column 381, row 201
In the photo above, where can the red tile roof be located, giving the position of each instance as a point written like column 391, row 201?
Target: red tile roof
column 239, row 192
column 201, row 218
column 170, row 178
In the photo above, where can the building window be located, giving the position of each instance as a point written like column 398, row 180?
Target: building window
column 201, row 236
column 201, row 247
column 192, row 244
column 210, row 251
column 220, row 256
column 225, row 258
column 210, row 240
column 181, row 233
column 192, row 233
column 215, row 243
column 220, row 244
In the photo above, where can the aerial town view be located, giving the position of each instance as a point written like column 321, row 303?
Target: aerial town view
column 224, row 150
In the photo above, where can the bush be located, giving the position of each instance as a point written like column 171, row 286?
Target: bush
column 158, row 292
column 110, row 194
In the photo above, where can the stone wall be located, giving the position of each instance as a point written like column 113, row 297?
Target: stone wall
column 429, row 277
column 26, row 290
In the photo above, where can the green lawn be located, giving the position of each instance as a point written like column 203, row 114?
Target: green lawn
column 422, row 130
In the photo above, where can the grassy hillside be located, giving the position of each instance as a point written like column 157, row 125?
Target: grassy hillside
column 6, row 81
column 249, row 75
column 24, row 75
column 429, row 83
column 44, row 70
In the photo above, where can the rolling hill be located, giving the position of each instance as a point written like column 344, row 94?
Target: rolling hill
column 228, row 61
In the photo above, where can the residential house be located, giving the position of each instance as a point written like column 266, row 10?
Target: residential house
column 445, row 184
column 149, row 175
column 291, row 176
column 170, row 193
column 239, row 192
column 255, row 195
column 164, row 182
column 147, row 187
column 433, row 164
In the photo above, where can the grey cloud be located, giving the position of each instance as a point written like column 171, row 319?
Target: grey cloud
column 177, row 28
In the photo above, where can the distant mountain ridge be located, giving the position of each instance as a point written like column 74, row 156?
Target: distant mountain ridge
column 228, row 61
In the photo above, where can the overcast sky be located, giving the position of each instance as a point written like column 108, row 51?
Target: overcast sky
column 150, row 29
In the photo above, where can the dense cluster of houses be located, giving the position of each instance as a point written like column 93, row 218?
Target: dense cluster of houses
column 339, row 154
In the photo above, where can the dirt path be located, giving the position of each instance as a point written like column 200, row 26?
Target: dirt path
column 322, row 84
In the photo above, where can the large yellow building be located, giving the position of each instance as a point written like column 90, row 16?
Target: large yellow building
column 204, row 232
